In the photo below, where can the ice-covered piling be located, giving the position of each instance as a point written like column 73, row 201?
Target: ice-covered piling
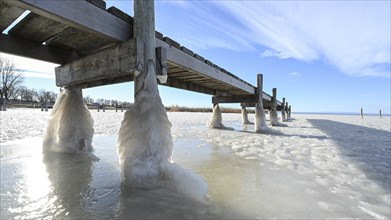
column 283, row 114
column 70, row 126
column 259, row 120
column 245, row 116
column 145, row 142
column 217, row 120
column 273, row 113
column 145, row 146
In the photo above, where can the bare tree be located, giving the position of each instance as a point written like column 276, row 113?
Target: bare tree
column 114, row 102
column 27, row 94
column 45, row 96
column 52, row 96
column 10, row 78
column 14, row 93
column 100, row 101
column 88, row 100
column 107, row 102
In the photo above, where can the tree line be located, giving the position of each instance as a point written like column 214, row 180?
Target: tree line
column 13, row 90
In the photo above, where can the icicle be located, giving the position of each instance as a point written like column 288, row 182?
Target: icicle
column 70, row 127
column 217, row 119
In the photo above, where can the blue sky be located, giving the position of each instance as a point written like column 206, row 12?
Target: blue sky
column 323, row 56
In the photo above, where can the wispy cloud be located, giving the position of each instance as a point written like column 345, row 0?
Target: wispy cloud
column 294, row 74
column 32, row 68
column 353, row 36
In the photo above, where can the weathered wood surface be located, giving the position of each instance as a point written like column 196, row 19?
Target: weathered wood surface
column 117, row 64
column 187, row 62
column 27, row 48
column 144, row 30
column 81, row 15
column 8, row 14
column 37, row 28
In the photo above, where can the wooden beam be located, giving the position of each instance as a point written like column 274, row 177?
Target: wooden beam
column 81, row 15
column 189, row 86
column 161, row 64
column 144, row 29
column 234, row 99
column 190, row 63
column 114, row 64
column 22, row 47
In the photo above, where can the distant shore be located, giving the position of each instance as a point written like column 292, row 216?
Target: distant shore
column 176, row 108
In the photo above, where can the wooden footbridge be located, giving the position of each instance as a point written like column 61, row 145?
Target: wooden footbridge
column 97, row 46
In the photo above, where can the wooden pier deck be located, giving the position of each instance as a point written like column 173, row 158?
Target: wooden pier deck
column 95, row 46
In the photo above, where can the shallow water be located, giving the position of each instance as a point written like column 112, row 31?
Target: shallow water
column 321, row 167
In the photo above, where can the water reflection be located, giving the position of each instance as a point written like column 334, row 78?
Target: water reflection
column 70, row 177
column 158, row 204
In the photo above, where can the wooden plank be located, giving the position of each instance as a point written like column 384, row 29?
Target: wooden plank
column 158, row 35
column 37, row 28
column 185, row 76
column 115, row 64
column 199, row 57
column 27, row 48
column 82, row 42
column 234, row 99
column 98, row 3
column 190, row 63
column 171, row 42
column 81, row 15
column 120, row 14
column 8, row 14
column 189, row 86
column 189, row 52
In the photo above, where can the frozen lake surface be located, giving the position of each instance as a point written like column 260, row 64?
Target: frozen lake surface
column 322, row 166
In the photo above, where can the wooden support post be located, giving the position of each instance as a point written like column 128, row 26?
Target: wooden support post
column 283, row 115
column 273, row 112
column 380, row 113
column 144, row 29
column 286, row 110
column 362, row 114
column 260, row 121
column 290, row 112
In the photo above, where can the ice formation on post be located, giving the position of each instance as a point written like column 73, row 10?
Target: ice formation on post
column 283, row 115
column 70, row 126
column 145, row 146
column 260, row 120
column 274, row 119
column 245, row 116
column 217, row 119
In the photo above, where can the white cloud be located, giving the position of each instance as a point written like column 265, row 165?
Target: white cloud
column 31, row 67
column 294, row 74
column 353, row 36
column 273, row 53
